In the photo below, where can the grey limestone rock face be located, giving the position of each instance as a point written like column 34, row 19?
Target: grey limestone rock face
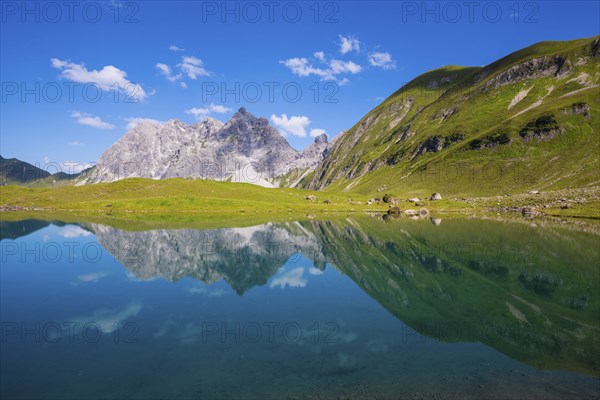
column 245, row 149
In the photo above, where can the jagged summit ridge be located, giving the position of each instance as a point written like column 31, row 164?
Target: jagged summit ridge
column 244, row 149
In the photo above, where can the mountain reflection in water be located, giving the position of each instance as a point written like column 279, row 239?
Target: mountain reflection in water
column 528, row 291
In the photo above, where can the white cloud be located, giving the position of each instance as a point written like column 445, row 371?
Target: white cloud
column 316, row 132
column 202, row 289
column 164, row 68
column 198, row 289
column 108, row 78
column 76, row 143
column 134, row 121
column 338, row 67
column 74, row 167
column 315, row 271
column 190, row 334
column 201, row 113
column 348, row 44
column 190, row 66
column 219, row 109
column 382, row 60
column 175, row 48
column 73, row 231
column 88, row 120
column 168, row 72
column 331, row 69
column 91, row 278
column 193, row 67
column 291, row 278
column 197, row 112
column 295, row 125
column 302, row 67
column 108, row 320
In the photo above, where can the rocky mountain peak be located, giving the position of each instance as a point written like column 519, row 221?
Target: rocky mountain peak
column 243, row 148
column 245, row 126
column 145, row 124
column 174, row 122
column 210, row 124
column 322, row 138
column 315, row 153
column 242, row 120
column 243, row 115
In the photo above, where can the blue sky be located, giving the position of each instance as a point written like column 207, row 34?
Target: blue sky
column 75, row 77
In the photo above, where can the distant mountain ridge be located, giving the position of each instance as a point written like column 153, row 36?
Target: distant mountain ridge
column 245, row 149
column 17, row 172
column 13, row 171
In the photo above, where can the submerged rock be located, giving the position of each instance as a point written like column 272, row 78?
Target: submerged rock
column 529, row 211
column 393, row 210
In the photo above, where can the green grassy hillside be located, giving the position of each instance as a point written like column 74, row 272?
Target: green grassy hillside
column 527, row 121
column 16, row 172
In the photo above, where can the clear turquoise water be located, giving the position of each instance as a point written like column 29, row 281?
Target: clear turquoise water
column 357, row 308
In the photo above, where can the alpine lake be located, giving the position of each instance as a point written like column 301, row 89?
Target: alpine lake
column 353, row 307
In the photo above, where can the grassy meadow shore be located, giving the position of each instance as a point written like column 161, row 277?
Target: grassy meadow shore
column 137, row 203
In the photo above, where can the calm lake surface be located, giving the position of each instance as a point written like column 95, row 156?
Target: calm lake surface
column 359, row 307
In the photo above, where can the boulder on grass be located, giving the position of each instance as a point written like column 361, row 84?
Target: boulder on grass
column 436, row 196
